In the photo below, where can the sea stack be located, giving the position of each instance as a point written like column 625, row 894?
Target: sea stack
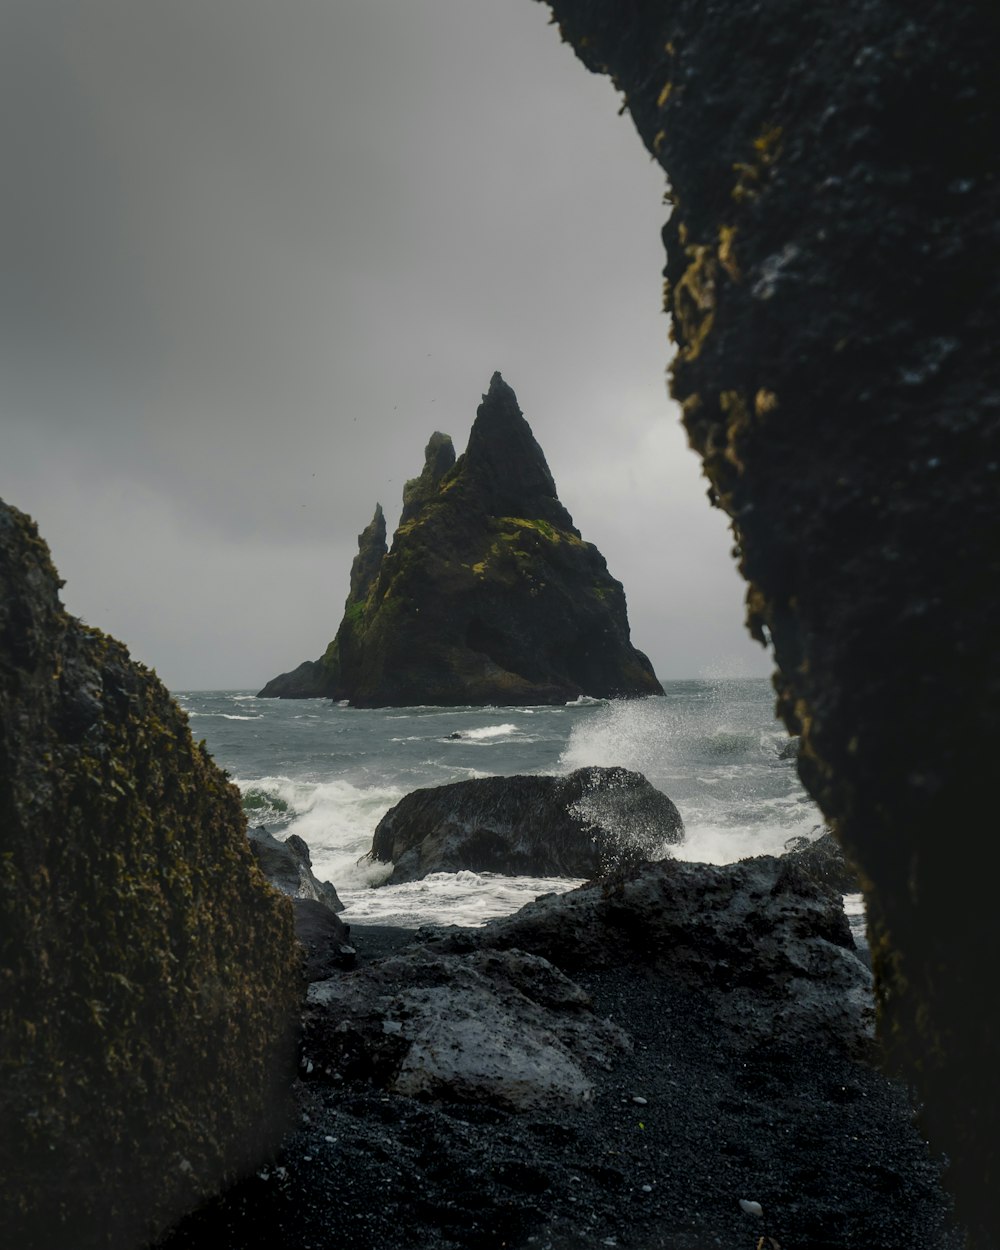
column 488, row 595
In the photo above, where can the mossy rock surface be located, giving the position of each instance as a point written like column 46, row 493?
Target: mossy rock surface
column 149, row 978
column 835, row 196
column 488, row 595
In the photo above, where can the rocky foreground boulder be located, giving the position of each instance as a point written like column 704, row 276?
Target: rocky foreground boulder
column 587, row 824
column 655, row 1051
column 149, row 977
column 488, row 595
column 502, row 1028
column 833, row 176
column 763, row 938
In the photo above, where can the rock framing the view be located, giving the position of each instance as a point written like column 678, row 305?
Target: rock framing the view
column 835, row 200
column 488, row 595
column 149, row 976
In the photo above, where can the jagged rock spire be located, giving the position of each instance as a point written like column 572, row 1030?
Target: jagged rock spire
column 505, row 463
column 371, row 548
column 439, row 457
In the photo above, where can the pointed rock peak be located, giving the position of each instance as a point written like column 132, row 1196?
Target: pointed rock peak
column 506, row 463
column 371, row 549
column 439, row 456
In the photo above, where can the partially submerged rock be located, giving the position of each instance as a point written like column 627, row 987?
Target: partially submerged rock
column 149, row 979
column 586, row 824
column 489, row 595
column 502, row 1028
column 288, row 867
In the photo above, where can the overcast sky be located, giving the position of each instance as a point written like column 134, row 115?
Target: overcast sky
column 254, row 253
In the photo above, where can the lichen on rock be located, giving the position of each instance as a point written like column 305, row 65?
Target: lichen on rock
column 832, row 172
column 149, row 977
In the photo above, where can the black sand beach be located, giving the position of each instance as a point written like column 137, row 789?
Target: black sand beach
column 677, row 1133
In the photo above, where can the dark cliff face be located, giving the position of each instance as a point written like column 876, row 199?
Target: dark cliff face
column 371, row 548
column 488, row 595
column 833, row 175
column 149, row 978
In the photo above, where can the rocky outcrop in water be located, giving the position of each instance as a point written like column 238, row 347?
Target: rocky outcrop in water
column 489, row 595
column 592, row 822
column 288, row 867
column 149, row 979
column 833, row 175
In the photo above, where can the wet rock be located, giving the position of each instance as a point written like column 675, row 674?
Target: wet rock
column 790, row 750
column 824, row 861
column 150, row 979
column 489, row 595
column 587, row 824
column 288, row 867
column 768, row 943
column 501, row 1028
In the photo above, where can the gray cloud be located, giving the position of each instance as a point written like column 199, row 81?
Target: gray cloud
column 253, row 254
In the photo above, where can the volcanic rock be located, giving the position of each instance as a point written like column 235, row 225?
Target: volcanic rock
column 832, row 170
column 766, row 941
column 587, row 824
column 324, row 938
column 489, row 595
column 149, row 978
column 502, row 1028
column 824, row 860
column 288, row 867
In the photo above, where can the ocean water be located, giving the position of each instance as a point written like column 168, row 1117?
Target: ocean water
column 329, row 773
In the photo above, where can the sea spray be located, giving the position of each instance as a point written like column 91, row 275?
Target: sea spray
column 330, row 773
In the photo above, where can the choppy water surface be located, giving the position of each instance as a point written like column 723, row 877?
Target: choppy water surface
column 329, row 773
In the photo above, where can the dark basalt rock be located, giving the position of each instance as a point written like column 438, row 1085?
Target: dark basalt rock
column 496, row 1028
column 766, row 941
column 488, row 596
column 823, row 859
column 833, row 174
column 288, row 867
column 324, row 938
column 149, row 977
column 587, row 824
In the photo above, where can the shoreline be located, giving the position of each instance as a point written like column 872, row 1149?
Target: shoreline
column 694, row 1118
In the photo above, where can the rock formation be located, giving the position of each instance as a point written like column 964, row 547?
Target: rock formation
column 149, row 978
column 473, row 1094
column 763, row 937
column 496, row 1027
column 488, row 596
column 587, row 824
column 288, row 867
column 835, row 307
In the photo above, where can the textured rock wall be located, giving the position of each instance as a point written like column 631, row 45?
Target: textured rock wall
column 149, row 978
column 834, row 292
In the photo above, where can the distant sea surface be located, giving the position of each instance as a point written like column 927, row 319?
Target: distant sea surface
column 329, row 773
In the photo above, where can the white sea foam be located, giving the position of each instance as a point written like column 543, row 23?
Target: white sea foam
column 462, row 898
column 221, row 716
column 335, row 818
column 329, row 774
column 488, row 732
